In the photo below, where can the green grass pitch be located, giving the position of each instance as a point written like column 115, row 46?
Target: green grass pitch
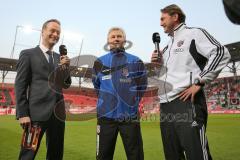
column 223, row 133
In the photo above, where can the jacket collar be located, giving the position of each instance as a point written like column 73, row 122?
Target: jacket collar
column 178, row 29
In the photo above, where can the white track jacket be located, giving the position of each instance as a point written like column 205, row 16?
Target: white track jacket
column 191, row 51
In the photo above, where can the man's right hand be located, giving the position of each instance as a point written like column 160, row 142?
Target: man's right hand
column 24, row 121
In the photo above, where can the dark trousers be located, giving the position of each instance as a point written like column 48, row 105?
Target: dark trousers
column 107, row 132
column 54, row 129
column 183, row 134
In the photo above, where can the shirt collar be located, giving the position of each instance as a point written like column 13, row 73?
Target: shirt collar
column 43, row 48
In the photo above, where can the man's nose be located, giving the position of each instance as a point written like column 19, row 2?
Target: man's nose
column 161, row 23
column 116, row 39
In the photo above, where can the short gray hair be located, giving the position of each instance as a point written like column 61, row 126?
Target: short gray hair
column 117, row 29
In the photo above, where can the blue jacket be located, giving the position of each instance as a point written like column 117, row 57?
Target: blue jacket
column 120, row 80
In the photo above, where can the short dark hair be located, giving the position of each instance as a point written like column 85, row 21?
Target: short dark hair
column 174, row 9
column 48, row 21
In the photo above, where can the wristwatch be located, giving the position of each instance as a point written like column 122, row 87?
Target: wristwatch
column 198, row 82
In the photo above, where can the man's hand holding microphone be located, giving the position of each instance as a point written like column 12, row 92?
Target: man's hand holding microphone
column 156, row 58
column 64, row 60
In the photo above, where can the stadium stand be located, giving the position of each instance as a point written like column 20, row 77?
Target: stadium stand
column 6, row 98
column 223, row 96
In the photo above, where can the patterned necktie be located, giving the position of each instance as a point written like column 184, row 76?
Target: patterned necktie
column 50, row 60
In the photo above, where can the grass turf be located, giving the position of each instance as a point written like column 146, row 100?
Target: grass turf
column 80, row 139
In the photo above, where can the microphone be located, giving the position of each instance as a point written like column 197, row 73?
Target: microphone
column 62, row 50
column 156, row 40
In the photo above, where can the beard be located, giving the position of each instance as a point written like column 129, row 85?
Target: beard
column 116, row 45
column 117, row 48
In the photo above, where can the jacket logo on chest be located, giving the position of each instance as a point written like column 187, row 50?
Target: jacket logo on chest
column 179, row 49
column 125, row 72
column 180, row 43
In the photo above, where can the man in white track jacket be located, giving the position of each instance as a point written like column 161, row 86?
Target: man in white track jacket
column 191, row 59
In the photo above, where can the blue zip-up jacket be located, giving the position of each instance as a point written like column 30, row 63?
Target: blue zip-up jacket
column 120, row 80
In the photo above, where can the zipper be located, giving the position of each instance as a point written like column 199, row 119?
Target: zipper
column 167, row 69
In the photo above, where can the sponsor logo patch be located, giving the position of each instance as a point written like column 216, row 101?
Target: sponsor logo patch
column 177, row 50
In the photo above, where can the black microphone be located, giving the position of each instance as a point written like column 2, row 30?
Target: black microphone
column 62, row 50
column 156, row 40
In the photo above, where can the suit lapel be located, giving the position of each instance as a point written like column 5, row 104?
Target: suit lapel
column 56, row 58
column 42, row 56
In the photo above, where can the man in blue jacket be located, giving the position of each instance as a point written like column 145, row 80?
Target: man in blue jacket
column 120, row 80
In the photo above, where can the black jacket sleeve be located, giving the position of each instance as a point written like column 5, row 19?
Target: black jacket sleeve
column 22, row 82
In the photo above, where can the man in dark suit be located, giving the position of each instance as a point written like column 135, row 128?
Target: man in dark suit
column 41, row 75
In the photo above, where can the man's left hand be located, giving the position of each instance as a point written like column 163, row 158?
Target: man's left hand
column 189, row 93
column 64, row 60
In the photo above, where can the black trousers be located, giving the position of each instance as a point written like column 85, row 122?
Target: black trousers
column 107, row 132
column 54, row 129
column 183, row 131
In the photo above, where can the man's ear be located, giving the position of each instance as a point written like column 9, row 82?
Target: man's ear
column 175, row 17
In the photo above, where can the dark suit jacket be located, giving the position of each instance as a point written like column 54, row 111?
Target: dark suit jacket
column 38, row 90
